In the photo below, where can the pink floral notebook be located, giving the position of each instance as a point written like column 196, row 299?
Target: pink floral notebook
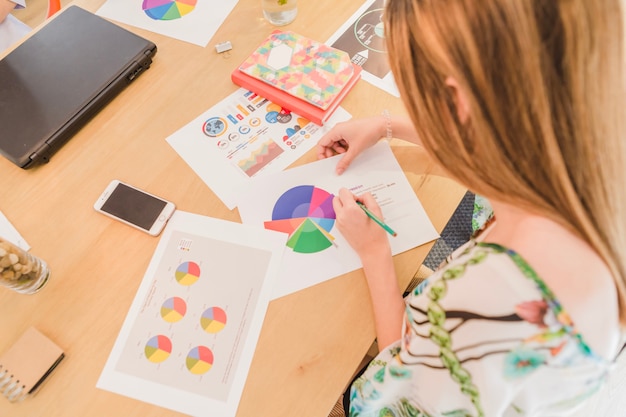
column 302, row 67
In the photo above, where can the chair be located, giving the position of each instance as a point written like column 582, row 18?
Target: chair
column 53, row 7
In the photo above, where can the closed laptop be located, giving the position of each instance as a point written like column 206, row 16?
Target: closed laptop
column 55, row 81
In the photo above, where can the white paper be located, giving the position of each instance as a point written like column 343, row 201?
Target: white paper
column 376, row 170
column 242, row 137
column 363, row 37
column 191, row 331
column 197, row 24
column 12, row 30
column 10, row 233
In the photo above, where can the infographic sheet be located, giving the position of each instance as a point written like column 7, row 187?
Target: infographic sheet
column 363, row 37
column 189, row 337
column 243, row 137
column 298, row 203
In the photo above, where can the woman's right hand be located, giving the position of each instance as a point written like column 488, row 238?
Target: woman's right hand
column 367, row 238
column 351, row 138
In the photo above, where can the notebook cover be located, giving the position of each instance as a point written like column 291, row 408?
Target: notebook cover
column 291, row 103
column 31, row 359
column 304, row 68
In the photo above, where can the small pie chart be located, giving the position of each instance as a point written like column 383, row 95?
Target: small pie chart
column 213, row 320
column 199, row 360
column 187, row 273
column 168, row 9
column 173, row 309
column 158, row 348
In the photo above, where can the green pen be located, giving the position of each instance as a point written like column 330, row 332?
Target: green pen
column 376, row 219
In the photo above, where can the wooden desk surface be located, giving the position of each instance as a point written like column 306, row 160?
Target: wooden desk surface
column 311, row 342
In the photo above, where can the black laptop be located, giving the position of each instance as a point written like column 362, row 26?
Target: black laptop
column 55, row 81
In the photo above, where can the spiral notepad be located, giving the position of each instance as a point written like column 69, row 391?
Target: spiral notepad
column 27, row 363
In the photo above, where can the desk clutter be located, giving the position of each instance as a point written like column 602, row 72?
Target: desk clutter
column 27, row 364
column 189, row 336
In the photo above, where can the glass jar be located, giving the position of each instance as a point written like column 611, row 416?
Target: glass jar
column 21, row 271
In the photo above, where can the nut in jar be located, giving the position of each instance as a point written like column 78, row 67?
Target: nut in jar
column 21, row 271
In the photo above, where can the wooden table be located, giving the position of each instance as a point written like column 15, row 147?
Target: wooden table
column 311, row 341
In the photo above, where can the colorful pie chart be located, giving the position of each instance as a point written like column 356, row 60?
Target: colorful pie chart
column 173, row 309
column 213, row 320
column 158, row 349
column 306, row 213
column 199, row 360
column 187, row 273
column 168, row 9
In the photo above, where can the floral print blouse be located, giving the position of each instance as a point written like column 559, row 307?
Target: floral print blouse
column 465, row 352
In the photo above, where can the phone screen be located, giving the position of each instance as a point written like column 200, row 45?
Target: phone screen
column 134, row 206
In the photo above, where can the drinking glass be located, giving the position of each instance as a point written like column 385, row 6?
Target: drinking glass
column 280, row 12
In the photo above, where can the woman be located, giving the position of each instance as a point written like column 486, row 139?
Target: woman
column 522, row 102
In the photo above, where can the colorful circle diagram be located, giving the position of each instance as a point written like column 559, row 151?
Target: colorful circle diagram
column 306, row 213
column 168, row 9
column 173, row 309
column 214, row 127
column 158, row 348
column 187, row 273
column 370, row 32
column 213, row 320
column 199, row 360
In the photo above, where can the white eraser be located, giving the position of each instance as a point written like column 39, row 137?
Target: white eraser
column 223, row 47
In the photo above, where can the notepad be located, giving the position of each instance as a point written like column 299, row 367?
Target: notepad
column 302, row 67
column 300, row 74
column 27, row 364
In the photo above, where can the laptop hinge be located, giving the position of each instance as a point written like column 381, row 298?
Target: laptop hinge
column 42, row 154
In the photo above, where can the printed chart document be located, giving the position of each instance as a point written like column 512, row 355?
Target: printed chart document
column 193, row 21
column 298, row 202
column 191, row 331
column 363, row 38
column 243, row 137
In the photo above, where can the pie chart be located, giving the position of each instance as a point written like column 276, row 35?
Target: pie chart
column 199, row 360
column 173, row 309
column 158, row 349
column 168, row 9
column 306, row 213
column 213, row 320
column 187, row 273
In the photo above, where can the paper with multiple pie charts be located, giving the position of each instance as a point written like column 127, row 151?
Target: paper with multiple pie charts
column 191, row 331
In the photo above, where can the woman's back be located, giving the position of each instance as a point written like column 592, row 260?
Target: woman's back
column 579, row 277
column 487, row 335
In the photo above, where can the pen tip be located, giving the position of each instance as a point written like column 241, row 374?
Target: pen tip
column 394, row 235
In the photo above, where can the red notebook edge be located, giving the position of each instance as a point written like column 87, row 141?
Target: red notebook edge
column 300, row 107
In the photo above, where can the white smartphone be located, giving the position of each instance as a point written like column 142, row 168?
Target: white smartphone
column 135, row 207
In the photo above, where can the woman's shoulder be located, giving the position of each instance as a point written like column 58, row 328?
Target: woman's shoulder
column 546, row 255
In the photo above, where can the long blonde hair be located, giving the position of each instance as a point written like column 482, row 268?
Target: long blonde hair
column 544, row 82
